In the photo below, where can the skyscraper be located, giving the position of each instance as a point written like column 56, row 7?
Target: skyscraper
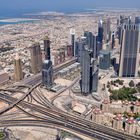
column 89, row 75
column 129, row 51
column 89, row 39
column 113, row 40
column 76, row 48
column 36, row 58
column 100, row 31
column 95, row 79
column 104, row 59
column 122, row 21
column 72, row 32
column 97, row 46
column 99, row 39
column 47, row 50
column 81, row 44
column 47, row 73
column 18, row 74
column 137, row 20
column 47, row 67
column 106, row 30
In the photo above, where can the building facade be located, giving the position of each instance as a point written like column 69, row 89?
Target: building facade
column 47, row 50
column 18, row 74
column 47, row 73
column 89, row 73
column 104, row 59
column 129, row 51
column 36, row 58
column 72, row 33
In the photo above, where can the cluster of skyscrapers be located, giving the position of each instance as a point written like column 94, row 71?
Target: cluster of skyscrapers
column 88, row 49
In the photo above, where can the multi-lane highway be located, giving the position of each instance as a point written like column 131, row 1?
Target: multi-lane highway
column 76, row 123
column 46, row 115
column 36, row 79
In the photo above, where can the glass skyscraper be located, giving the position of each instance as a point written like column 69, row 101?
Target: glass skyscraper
column 129, row 51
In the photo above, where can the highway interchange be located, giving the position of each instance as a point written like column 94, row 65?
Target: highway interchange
column 44, row 113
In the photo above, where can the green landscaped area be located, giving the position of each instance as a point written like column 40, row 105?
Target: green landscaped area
column 123, row 94
column 1, row 135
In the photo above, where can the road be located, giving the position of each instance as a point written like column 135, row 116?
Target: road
column 47, row 114
column 75, row 122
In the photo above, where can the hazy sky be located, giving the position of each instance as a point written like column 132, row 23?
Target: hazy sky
column 66, row 4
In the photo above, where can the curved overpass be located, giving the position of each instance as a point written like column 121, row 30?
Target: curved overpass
column 57, row 125
column 78, row 124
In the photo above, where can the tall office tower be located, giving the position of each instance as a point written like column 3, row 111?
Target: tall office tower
column 113, row 40
column 123, row 20
column 76, row 48
column 86, row 70
column 81, row 44
column 89, row 39
column 126, row 20
column 104, row 59
column 97, row 46
column 129, row 51
column 39, row 57
column 95, row 79
column 36, row 58
column 137, row 20
column 72, row 32
column 100, row 31
column 47, row 73
column 119, row 33
column 88, row 75
column 95, row 50
column 18, row 74
column 47, row 50
column 106, row 30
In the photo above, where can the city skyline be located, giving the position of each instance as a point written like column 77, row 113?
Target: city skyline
column 69, row 70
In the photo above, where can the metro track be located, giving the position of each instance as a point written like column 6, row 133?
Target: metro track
column 67, row 120
column 75, row 122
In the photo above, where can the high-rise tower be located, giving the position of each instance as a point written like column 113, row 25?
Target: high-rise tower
column 81, row 44
column 137, row 20
column 89, row 39
column 113, row 40
column 18, row 74
column 47, row 67
column 106, row 30
column 47, row 50
column 72, row 33
column 36, row 58
column 100, row 31
column 89, row 75
column 129, row 51
column 47, row 73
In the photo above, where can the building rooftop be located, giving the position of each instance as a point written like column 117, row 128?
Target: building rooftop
column 104, row 52
column 80, row 108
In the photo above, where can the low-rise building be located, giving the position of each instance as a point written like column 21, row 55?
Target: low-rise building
column 4, row 77
column 108, row 117
column 116, row 108
column 127, row 106
column 105, row 106
column 118, row 122
column 137, row 107
column 98, row 116
column 130, row 126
